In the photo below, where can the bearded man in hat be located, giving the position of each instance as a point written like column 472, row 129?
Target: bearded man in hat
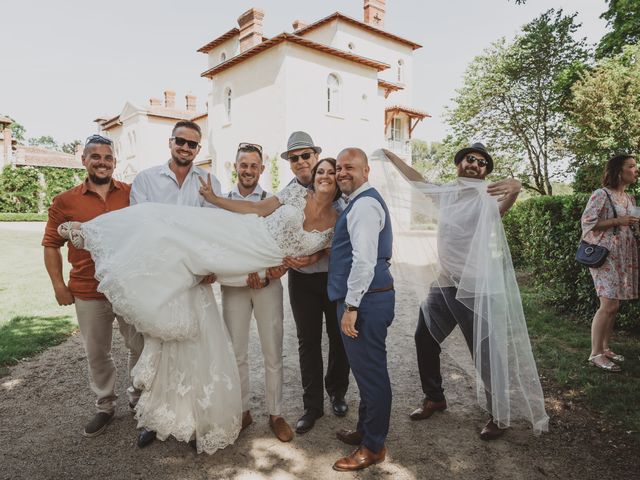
column 455, row 297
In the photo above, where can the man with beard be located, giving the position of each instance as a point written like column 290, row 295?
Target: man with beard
column 98, row 194
column 443, row 309
column 263, row 298
column 175, row 182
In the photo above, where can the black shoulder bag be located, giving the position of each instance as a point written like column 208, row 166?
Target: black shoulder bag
column 593, row 256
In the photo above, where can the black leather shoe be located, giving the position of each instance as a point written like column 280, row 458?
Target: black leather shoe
column 339, row 406
column 307, row 420
column 146, row 437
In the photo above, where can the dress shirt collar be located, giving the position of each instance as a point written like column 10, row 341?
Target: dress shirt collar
column 166, row 170
column 85, row 186
column 256, row 191
column 365, row 186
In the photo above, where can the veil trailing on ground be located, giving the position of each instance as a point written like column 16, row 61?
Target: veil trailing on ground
column 449, row 238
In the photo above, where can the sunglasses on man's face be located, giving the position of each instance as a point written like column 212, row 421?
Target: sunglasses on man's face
column 481, row 161
column 303, row 156
column 181, row 141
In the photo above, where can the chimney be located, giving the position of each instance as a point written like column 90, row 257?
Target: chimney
column 374, row 13
column 250, row 23
column 298, row 24
column 155, row 102
column 169, row 99
column 190, row 100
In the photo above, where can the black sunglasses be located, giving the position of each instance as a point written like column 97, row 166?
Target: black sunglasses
column 481, row 162
column 303, row 156
column 98, row 139
column 250, row 147
column 181, row 141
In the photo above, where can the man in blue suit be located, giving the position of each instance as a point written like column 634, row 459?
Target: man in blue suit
column 360, row 281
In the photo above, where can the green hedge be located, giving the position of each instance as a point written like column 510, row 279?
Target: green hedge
column 543, row 234
column 31, row 189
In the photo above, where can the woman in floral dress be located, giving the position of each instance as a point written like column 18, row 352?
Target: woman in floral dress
column 617, row 278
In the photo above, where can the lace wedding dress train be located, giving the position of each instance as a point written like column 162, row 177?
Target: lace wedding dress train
column 148, row 260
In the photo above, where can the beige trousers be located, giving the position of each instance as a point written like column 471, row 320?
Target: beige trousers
column 95, row 318
column 266, row 305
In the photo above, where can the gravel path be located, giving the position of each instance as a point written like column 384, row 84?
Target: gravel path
column 45, row 402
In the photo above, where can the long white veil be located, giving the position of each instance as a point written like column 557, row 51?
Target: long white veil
column 452, row 236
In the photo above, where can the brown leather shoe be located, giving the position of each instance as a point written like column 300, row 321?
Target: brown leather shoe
column 350, row 437
column 359, row 459
column 246, row 419
column 491, row 431
column 280, row 428
column 428, row 408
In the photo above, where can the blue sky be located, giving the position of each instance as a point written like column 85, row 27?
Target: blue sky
column 74, row 60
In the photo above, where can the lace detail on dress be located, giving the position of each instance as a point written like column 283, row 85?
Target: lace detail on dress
column 286, row 224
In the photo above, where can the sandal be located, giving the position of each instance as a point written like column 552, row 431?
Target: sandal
column 607, row 364
column 613, row 356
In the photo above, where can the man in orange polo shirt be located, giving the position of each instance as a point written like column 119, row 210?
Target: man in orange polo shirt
column 98, row 194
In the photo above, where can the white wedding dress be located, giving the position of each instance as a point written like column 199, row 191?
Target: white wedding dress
column 148, row 260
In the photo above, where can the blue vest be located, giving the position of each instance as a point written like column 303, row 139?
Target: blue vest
column 342, row 252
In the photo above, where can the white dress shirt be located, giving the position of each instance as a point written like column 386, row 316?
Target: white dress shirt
column 159, row 184
column 365, row 221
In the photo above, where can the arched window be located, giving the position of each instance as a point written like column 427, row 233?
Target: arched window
column 400, row 71
column 333, row 94
column 227, row 103
column 223, row 57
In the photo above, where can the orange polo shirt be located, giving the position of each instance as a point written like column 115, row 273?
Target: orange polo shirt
column 79, row 204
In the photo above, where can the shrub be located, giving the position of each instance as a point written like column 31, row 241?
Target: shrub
column 543, row 235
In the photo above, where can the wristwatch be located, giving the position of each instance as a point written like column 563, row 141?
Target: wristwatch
column 350, row 308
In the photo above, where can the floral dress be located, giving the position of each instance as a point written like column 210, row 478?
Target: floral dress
column 617, row 278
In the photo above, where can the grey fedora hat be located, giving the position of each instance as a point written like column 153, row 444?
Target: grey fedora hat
column 478, row 148
column 298, row 140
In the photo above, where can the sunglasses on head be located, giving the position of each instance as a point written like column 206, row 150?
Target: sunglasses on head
column 181, row 141
column 250, row 147
column 481, row 161
column 98, row 139
column 303, row 156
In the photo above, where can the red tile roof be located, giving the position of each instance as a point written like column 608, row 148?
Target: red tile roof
column 287, row 37
column 357, row 23
column 217, row 41
column 43, row 157
column 389, row 85
column 412, row 112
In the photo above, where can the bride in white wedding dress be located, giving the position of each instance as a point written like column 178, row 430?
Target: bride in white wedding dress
column 148, row 260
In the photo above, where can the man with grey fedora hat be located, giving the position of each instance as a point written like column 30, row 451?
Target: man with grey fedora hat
column 309, row 303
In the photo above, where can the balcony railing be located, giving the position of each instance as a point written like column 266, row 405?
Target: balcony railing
column 400, row 147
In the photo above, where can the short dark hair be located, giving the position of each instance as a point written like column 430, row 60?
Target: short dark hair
column 187, row 124
column 613, row 169
column 96, row 140
column 248, row 149
column 332, row 161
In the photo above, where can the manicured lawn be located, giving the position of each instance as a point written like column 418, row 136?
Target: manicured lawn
column 562, row 347
column 27, row 303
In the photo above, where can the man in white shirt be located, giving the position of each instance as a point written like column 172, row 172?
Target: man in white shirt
column 175, row 182
column 263, row 298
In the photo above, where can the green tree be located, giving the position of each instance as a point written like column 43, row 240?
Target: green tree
column 17, row 130
column 70, row 147
column 274, row 170
column 605, row 113
column 623, row 17
column 46, row 141
column 513, row 95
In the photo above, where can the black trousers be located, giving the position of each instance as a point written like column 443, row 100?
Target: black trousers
column 442, row 304
column 309, row 302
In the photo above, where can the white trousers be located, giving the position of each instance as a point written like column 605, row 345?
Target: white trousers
column 95, row 318
column 238, row 303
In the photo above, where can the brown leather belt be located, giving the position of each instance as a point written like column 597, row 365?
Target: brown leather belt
column 379, row 290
